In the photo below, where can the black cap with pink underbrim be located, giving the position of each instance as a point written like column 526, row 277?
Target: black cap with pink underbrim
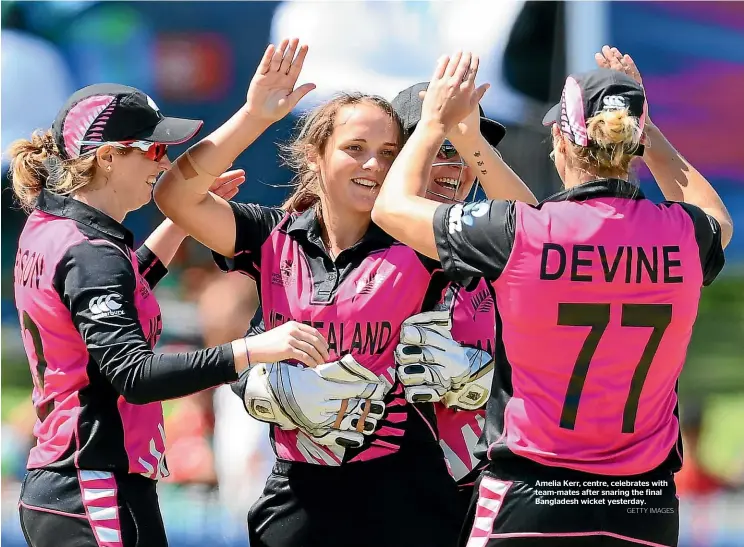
column 115, row 113
column 586, row 95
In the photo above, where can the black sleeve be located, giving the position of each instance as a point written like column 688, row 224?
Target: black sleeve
column 257, row 327
column 708, row 237
column 97, row 284
column 150, row 266
column 253, row 224
column 475, row 240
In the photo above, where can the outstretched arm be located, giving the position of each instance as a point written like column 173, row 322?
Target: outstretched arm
column 676, row 177
column 165, row 240
column 183, row 192
column 399, row 209
column 496, row 177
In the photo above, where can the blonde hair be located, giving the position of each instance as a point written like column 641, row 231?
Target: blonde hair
column 36, row 164
column 614, row 137
column 314, row 131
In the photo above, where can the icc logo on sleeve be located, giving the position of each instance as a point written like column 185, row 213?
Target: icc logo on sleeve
column 465, row 214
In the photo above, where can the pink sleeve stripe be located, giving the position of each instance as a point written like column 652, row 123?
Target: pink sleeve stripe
column 150, row 266
column 385, row 444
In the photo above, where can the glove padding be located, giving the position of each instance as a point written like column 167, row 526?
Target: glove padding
column 336, row 403
column 433, row 367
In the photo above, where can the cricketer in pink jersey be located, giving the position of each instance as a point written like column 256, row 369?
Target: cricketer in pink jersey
column 471, row 308
column 358, row 302
column 89, row 322
column 322, row 263
column 471, row 311
column 597, row 290
column 457, row 170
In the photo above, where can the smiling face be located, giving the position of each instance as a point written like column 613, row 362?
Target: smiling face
column 132, row 176
column 357, row 156
column 447, row 170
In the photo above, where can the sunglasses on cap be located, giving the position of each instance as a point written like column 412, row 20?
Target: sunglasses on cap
column 447, row 151
column 154, row 151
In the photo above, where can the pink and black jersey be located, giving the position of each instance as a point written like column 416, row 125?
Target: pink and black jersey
column 89, row 322
column 357, row 302
column 597, row 291
column 473, row 324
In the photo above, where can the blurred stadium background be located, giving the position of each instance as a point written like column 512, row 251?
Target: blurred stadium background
column 196, row 59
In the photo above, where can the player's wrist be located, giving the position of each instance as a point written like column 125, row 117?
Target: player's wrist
column 241, row 354
column 467, row 142
column 433, row 128
column 252, row 118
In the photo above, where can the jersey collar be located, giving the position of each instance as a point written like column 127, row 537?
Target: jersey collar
column 601, row 188
column 64, row 206
column 307, row 226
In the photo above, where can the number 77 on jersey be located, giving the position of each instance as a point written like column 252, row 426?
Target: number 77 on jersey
column 597, row 316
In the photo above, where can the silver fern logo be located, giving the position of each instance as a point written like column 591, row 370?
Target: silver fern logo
column 369, row 283
column 482, row 302
column 286, row 275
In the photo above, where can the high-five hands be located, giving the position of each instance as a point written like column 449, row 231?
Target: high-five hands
column 452, row 94
column 612, row 58
column 272, row 94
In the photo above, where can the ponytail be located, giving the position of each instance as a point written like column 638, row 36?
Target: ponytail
column 614, row 137
column 36, row 164
column 29, row 167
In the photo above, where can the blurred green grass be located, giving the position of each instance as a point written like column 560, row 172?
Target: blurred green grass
column 12, row 397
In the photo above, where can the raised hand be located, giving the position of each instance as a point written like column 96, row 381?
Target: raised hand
column 452, row 93
column 227, row 184
column 272, row 94
column 610, row 57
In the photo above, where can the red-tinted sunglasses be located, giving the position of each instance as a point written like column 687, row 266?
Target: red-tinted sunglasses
column 154, row 151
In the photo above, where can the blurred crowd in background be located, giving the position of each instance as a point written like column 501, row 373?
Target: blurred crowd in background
column 196, row 58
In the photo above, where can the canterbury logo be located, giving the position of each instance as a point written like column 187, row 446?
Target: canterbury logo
column 614, row 102
column 460, row 215
column 106, row 305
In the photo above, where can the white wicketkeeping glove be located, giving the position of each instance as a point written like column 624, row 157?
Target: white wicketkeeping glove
column 336, row 403
column 434, row 368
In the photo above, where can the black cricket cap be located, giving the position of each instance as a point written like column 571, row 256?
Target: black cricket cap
column 115, row 113
column 586, row 95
